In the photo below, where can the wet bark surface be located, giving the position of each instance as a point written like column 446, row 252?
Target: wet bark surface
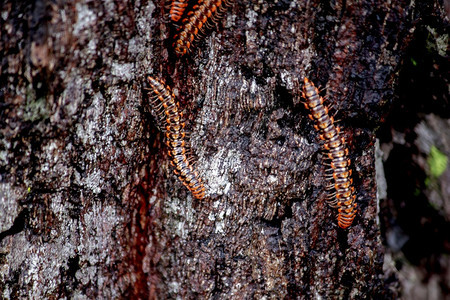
column 90, row 207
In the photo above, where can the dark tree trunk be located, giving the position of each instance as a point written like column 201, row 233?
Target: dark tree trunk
column 89, row 204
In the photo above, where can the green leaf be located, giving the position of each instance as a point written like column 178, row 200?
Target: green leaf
column 437, row 161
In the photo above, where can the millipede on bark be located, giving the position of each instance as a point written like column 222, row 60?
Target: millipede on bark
column 343, row 194
column 203, row 14
column 164, row 104
column 177, row 9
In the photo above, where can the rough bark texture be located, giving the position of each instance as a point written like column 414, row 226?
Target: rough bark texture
column 89, row 206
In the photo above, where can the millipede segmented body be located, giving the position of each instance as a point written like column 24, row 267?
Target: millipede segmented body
column 164, row 103
column 177, row 9
column 343, row 195
column 203, row 13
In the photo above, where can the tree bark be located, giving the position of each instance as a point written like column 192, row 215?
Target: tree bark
column 90, row 207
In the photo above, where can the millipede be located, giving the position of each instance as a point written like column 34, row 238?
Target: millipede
column 202, row 14
column 343, row 194
column 164, row 103
column 177, row 9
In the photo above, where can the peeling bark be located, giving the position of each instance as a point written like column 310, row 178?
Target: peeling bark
column 90, row 207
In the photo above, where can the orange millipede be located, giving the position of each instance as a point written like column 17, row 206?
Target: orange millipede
column 177, row 9
column 343, row 196
column 204, row 12
column 164, row 102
